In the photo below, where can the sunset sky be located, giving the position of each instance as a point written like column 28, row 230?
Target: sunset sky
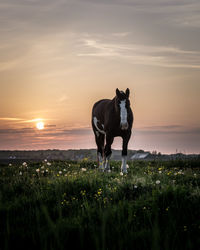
column 57, row 58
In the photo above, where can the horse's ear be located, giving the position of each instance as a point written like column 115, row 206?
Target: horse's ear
column 127, row 92
column 117, row 92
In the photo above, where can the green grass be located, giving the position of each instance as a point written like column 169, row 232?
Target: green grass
column 61, row 204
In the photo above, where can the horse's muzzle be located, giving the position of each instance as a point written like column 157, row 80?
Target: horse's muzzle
column 124, row 126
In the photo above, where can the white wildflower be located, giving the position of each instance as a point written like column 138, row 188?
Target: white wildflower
column 48, row 163
column 64, row 170
column 160, row 172
column 45, row 160
column 83, row 169
column 135, row 186
column 121, row 174
column 157, row 182
column 60, row 172
column 127, row 166
column 42, row 167
column 20, row 173
column 10, row 165
column 24, row 164
column 37, row 170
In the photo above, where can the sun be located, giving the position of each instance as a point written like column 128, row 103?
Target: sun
column 40, row 125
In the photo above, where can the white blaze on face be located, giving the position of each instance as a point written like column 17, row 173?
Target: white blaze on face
column 123, row 112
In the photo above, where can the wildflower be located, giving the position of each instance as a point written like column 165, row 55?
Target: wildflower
column 64, row 170
column 42, row 171
column 127, row 166
column 42, row 167
column 60, row 172
column 144, row 208
column 157, row 182
column 10, row 165
column 48, row 164
column 65, row 175
column 83, row 169
column 24, row 164
column 37, row 170
column 160, row 172
column 135, row 186
column 121, row 173
column 20, row 173
column 195, row 175
column 47, row 170
column 99, row 192
column 83, row 192
column 160, row 169
column 175, row 174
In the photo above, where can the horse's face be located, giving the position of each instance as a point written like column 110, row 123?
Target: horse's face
column 123, row 106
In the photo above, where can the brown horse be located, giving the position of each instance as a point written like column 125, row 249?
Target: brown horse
column 112, row 118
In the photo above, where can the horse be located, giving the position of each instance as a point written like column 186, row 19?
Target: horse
column 112, row 118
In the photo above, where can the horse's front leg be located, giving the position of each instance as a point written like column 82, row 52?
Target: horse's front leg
column 124, row 153
column 108, row 151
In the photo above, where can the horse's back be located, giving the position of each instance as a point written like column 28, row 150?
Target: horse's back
column 99, row 106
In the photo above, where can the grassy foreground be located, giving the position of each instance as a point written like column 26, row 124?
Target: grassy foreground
column 71, row 205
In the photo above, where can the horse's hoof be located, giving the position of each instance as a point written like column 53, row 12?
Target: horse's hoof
column 107, row 170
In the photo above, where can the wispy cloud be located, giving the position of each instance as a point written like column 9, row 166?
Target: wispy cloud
column 10, row 119
column 173, row 57
column 170, row 129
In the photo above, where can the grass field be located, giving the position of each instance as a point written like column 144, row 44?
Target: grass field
column 71, row 205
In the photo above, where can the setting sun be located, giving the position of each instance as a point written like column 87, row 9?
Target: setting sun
column 40, row 125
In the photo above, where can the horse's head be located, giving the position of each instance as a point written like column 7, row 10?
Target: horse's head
column 122, row 104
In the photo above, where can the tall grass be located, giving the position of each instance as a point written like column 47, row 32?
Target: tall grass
column 65, row 205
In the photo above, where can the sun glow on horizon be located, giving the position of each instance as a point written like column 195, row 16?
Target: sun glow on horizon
column 40, row 125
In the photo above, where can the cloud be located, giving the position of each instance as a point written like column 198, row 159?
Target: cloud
column 162, row 56
column 10, row 119
column 169, row 129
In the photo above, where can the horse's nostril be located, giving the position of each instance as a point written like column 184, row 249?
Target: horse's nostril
column 124, row 126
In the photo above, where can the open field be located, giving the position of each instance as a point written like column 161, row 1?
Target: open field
column 54, row 205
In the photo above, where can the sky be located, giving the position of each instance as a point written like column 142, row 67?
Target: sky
column 57, row 58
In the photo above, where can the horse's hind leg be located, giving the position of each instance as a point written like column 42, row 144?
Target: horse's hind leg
column 100, row 139
column 108, row 151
